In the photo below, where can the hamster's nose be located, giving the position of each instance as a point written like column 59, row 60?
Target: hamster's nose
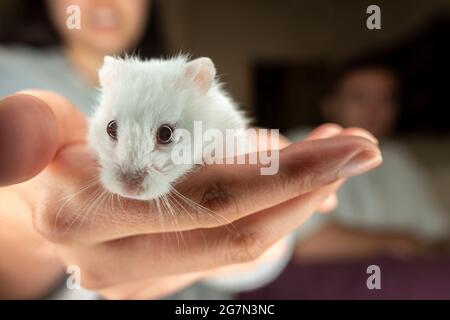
column 132, row 180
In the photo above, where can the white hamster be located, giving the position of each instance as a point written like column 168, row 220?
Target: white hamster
column 142, row 106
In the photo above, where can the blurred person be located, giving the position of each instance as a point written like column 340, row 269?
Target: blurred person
column 37, row 50
column 389, row 211
column 42, row 143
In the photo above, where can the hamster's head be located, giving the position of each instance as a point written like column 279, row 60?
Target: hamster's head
column 143, row 108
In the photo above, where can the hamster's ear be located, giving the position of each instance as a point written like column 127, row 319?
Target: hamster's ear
column 108, row 71
column 201, row 73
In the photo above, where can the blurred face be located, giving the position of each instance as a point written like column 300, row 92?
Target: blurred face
column 365, row 98
column 107, row 26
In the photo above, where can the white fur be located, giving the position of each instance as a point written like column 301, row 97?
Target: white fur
column 142, row 95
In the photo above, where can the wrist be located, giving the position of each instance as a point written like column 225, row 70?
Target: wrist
column 31, row 266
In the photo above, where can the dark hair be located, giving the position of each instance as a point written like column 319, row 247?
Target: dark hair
column 373, row 61
column 26, row 22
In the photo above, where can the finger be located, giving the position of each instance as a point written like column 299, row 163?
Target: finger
column 71, row 123
column 224, row 193
column 326, row 130
column 360, row 133
column 235, row 191
column 28, row 138
column 33, row 126
column 153, row 288
column 156, row 255
column 329, row 204
column 272, row 254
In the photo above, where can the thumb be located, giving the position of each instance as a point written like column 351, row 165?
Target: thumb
column 34, row 125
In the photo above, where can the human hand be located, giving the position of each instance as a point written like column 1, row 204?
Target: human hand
column 125, row 249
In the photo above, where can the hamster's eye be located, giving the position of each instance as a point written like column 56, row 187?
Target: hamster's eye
column 164, row 134
column 111, row 129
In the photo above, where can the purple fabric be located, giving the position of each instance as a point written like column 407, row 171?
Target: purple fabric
column 421, row 278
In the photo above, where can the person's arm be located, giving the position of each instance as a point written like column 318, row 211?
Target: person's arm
column 126, row 249
column 30, row 135
column 335, row 242
column 29, row 267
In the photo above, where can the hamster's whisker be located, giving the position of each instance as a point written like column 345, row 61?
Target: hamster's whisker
column 100, row 200
column 218, row 217
column 88, row 211
column 164, row 202
column 119, row 198
column 181, row 205
column 92, row 182
column 176, row 222
column 82, row 212
column 93, row 207
column 161, row 221
column 111, row 198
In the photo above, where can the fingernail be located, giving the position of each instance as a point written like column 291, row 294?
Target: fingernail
column 370, row 137
column 362, row 162
column 364, row 134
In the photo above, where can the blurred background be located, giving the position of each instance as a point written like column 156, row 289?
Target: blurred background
column 293, row 65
